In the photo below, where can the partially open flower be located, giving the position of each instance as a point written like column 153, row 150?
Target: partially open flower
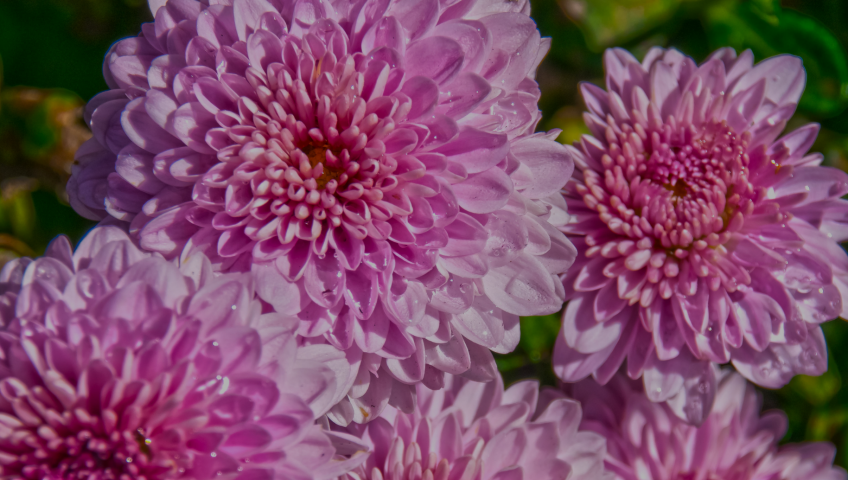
column 646, row 440
column 373, row 162
column 472, row 430
column 704, row 238
column 114, row 364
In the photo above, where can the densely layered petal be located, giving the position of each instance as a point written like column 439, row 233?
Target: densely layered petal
column 704, row 238
column 478, row 430
column 377, row 157
column 734, row 442
column 114, row 363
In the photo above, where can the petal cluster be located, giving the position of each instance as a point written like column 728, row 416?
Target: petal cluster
column 373, row 162
column 703, row 237
column 471, row 430
column 646, row 440
column 114, row 364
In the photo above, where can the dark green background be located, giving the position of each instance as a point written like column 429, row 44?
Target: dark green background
column 52, row 50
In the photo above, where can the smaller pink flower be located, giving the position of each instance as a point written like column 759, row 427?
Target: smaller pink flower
column 115, row 364
column 472, row 430
column 705, row 238
column 647, row 440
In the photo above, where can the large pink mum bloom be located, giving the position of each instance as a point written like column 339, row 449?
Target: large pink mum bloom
column 478, row 431
column 373, row 162
column 115, row 364
column 647, row 441
column 703, row 238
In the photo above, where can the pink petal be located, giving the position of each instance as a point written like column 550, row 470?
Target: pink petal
column 484, row 192
column 451, row 357
column 573, row 366
column 143, row 131
column 191, row 122
column 325, row 280
column 548, row 166
column 784, row 75
column 475, row 150
column 439, row 58
column 370, row 334
column 247, row 14
column 466, row 91
column 168, row 232
column 409, row 370
column 586, row 335
column 523, row 287
column 416, row 16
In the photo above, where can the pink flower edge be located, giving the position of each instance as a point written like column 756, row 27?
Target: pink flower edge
column 481, row 431
column 648, row 440
column 704, row 238
column 116, row 362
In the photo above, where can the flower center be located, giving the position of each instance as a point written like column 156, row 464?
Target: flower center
column 673, row 196
column 704, row 181
column 674, row 188
column 307, row 152
column 678, row 190
column 411, row 465
column 317, row 154
column 89, row 453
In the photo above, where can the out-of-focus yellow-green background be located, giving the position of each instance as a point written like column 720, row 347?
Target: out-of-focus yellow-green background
column 51, row 54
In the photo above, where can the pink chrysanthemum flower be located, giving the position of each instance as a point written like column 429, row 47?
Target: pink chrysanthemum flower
column 646, row 441
column 373, row 161
column 478, row 431
column 114, row 364
column 703, row 239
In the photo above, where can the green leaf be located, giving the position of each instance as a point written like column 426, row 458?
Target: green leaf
column 610, row 22
column 825, row 424
column 18, row 216
column 767, row 30
column 818, row 390
column 570, row 120
column 538, row 335
column 532, row 357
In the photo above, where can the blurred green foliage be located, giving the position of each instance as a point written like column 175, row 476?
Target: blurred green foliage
column 532, row 358
column 52, row 51
column 51, row 54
